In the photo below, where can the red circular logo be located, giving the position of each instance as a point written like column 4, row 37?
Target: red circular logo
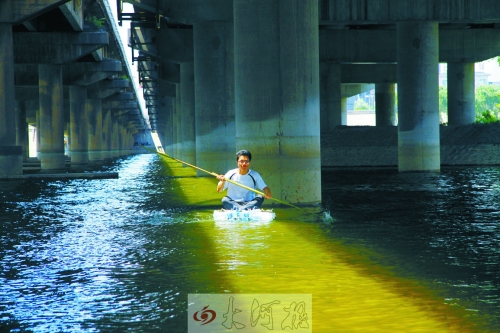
column 206, row 316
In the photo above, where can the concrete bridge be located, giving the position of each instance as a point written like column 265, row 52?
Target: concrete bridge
column 219, row 75
column 271, row 75
column 63, row 70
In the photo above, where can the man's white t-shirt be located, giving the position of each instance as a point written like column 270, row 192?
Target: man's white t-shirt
column 251, row 179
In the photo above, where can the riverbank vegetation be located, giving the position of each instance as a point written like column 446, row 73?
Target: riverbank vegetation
column 487, row 104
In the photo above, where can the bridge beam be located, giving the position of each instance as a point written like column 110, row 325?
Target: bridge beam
column 56, row 47
column 358, row 46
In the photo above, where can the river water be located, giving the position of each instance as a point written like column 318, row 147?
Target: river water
column 386, row 252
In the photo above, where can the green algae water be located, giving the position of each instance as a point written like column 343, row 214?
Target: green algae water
column 386, row 252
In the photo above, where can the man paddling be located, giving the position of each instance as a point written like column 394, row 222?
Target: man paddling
column 238, row 197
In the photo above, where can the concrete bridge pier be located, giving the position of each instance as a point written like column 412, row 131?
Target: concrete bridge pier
column 169, row 131
column 121, row 139
column 418, row 96
column 106, row 133
column 343, row 109
column 129, row 141
column 461, row 93
column 331, row 96
column 168, row 116
column 187, row 114
column 114, row 138
column 277, row 94
column 22, row 128
column 385, row 104
column 51, row 117
column 11, row 158
column 214, row 94
column 37, row 126
column 94, row 112
column 67, row 134
column 79, row 127
column 177, row 114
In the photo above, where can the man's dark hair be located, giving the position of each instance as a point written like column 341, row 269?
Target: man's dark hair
column 244, row 153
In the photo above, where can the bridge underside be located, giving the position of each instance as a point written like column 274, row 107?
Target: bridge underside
column 63, row 72
column 270, row 76
column 221, row 75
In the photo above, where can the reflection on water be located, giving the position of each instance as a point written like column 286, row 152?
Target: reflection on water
column 389, row 252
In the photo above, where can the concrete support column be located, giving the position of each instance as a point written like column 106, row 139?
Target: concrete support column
column 277, row 94
column 37, row 133
column 168, row 115
column 343, row 110
column 214, row 95
column 120, row 139
column 119, row 142
column 177, row 122
column 187, row 113
column 122, row 132
column 133, row 134
column 11, row 158
column 22, row 129
column 385, row 104
column 79, row 127
column 51, row 117
column 115, row 138
column 129, row 141
column 126, row 147
column 94, row 110
column 106, row 134
column 67, row 136
column 331, row 96
column 461, row 94
column 418, row 96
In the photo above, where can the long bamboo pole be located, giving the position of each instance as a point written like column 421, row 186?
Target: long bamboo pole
column 225, row 178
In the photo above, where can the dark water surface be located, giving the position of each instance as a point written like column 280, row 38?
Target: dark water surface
column 442, row 229
column 387, row 252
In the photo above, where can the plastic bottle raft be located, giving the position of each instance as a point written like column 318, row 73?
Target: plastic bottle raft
column 260, row 215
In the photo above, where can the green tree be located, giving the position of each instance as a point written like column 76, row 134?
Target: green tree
column 443, row 104
column 360, row 104
column 486, row 117
column 97, row 22
column 487, row 99
column 487, row 104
